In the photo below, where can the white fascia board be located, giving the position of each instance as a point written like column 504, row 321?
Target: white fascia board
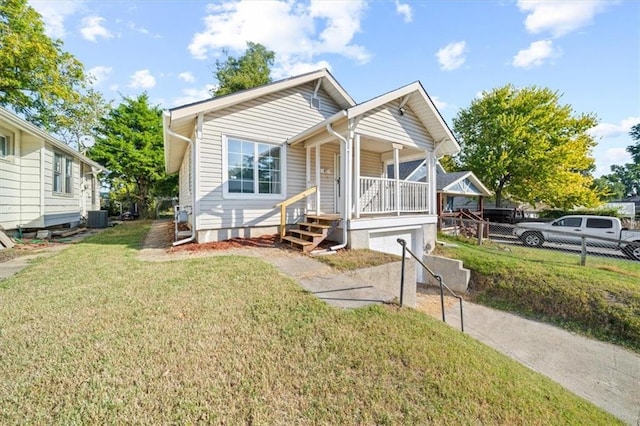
column 249, row 94
column 32, row 129
column 318, row 128
column 381, row 100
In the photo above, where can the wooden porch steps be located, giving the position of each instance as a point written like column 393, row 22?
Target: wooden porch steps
column 311, row 232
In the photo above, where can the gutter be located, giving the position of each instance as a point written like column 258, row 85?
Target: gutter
column 345, row 210
column 171, row 133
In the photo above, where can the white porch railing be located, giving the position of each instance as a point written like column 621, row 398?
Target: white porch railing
column 378, row 195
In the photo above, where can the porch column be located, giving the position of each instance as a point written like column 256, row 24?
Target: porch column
column 356, row 175
column 308, row 176
column 318, row 179
column 396, row 168
column 432, row 179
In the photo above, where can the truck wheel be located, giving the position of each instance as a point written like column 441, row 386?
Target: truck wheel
column 633, row 252
column 532, row 239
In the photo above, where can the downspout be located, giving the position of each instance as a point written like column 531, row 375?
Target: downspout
column 193, row 192
column 345, row 210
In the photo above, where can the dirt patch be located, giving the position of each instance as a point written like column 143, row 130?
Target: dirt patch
column 428, row 301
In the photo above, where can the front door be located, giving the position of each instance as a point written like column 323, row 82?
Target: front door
column 338, row 189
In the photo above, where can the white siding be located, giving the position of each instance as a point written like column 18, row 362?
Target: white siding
column 30, row 149
column 273, row 118
column 371, row 164
column 386, row 120
column 185, row 178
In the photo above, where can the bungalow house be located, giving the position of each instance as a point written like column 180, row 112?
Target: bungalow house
column 300, row 157
column 43, row 182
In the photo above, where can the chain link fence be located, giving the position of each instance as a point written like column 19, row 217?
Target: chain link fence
column 603, row 238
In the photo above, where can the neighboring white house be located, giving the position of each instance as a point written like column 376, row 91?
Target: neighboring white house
column 43, row 182
column 240, row 155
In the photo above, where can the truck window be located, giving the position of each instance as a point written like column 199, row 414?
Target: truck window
column 572, row 222
column 599, row 223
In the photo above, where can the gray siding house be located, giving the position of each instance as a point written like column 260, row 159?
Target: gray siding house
column 303, row 147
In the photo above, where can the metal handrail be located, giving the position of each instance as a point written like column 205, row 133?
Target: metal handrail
column 403, row 243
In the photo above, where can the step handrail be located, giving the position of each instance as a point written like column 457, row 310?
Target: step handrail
column 286, row 203
column 405, row 249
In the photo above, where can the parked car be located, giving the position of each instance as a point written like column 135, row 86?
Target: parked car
column 604, row 231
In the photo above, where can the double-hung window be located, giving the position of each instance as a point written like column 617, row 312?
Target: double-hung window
column 253, row 168
column 5, row 146
column 62, row 174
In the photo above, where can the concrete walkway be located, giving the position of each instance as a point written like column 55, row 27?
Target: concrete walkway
column 604, row 374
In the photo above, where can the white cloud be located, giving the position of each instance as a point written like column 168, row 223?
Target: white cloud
column 142, row 79
column 99, row 74
column 303, row 30
column 608, row 130
column 133, row 27
column 54, row 14
column 536, row 54
column 405, row 10
column 92, row 28
column 438, row 103
column 560, row 17
column 194, row 95
column 186, row 77
column 287, row 68
column 451, row 56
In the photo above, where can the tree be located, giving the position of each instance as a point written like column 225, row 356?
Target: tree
column 628, row 175
column 523, row 144
column 130, row 146
column 77, row 122
column 250, row 70
column 36, row 76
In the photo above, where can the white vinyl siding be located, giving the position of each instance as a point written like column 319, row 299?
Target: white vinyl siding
column 404, row 129
column 371, row 164
column 270, row 119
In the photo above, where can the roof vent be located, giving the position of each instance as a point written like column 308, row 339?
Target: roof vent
column 315, row 102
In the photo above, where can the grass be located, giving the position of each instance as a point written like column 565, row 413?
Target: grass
column 93, row 335
column 347, row 260
column 601, row 300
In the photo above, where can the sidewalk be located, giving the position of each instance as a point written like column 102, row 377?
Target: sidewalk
column 604, row 374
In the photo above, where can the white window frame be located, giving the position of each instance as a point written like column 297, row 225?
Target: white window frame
column 66, row 179
column 8, row 146
column 256, row 195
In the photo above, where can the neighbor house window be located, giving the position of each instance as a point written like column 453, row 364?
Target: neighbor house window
column 5, row 146
column 253, row 168
column 62, row 174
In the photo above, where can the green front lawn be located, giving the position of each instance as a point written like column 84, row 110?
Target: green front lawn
column 94, row 335
column 601, row 299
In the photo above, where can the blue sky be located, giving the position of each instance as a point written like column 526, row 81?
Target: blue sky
column 589, row 51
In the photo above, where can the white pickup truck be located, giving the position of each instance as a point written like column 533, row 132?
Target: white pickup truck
column 601, row 231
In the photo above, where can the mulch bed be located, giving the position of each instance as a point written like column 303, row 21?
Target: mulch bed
column 263, row 241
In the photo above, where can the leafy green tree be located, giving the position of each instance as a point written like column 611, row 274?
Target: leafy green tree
column 79, row 120
column 250, row 70
column 130, row 146
column 609, row 189
column 523, row 144
column 36, row 76
column 628, row 175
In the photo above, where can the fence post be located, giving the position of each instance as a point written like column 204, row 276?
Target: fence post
column 479, row 231
column 583, row 252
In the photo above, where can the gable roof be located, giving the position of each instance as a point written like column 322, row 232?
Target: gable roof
column 174, row 117
column 25, row 126
column 446, row 182
column 414, row 96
